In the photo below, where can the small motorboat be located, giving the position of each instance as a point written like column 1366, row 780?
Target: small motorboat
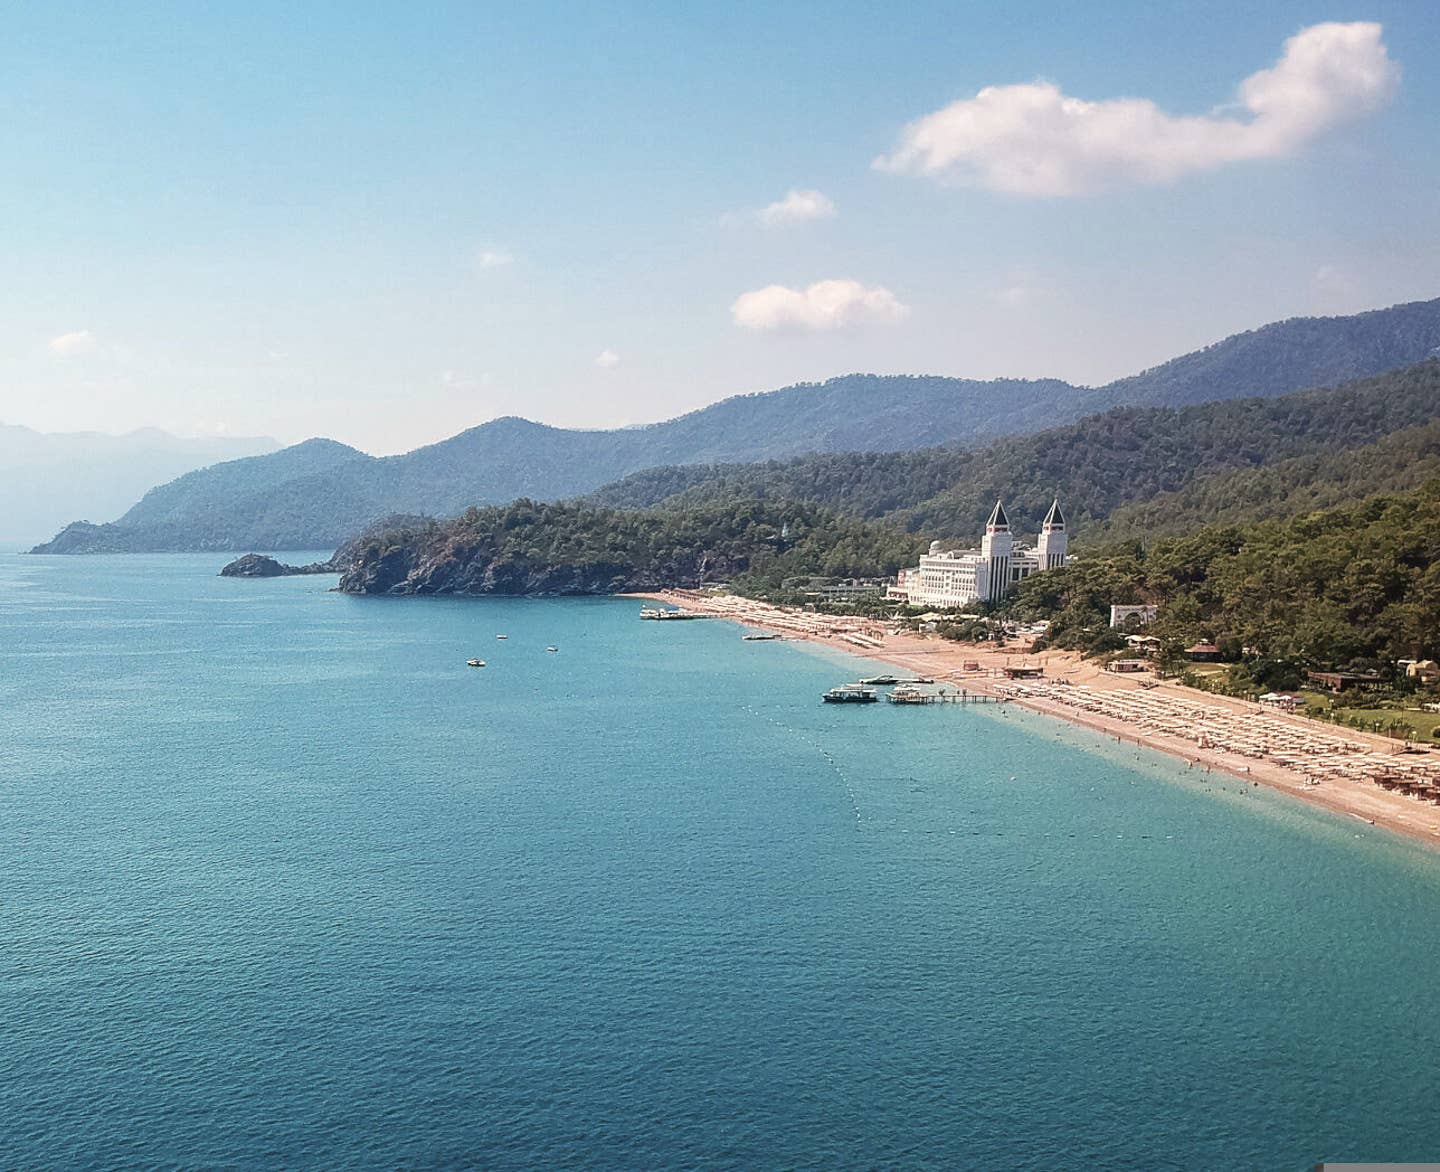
column 552, row 649
column 502, row 636
column 474, row 663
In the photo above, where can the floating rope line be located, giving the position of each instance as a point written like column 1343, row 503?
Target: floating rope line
column 808, row 739
column 835, row 767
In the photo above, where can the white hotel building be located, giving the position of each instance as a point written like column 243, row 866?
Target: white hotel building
column 958, row 577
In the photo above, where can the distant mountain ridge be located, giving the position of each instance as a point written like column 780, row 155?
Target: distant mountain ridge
column 48, row 478
column 1290, row 355
column 1162, row 468
column 327, row 492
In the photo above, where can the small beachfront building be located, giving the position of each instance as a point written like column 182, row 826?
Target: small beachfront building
column 1339, row 681
column 1422, row 671
column 959, row 577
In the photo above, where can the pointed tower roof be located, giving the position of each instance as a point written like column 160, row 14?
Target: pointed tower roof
column 998, row 517
column 1055, row 516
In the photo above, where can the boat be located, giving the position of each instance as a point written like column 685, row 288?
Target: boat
column 502, row 636
column 552, row 649
column 655, row 612
column 474, row 663
column 880, row 681
column 907, row 694
column 761, row 637
column 850, row 694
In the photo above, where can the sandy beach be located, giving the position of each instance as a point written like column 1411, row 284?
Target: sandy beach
column 1348, row 772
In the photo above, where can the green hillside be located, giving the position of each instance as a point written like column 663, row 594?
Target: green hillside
column 1110, row 461
column 1346, row 585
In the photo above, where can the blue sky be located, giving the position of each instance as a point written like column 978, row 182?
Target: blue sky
column 386, row 223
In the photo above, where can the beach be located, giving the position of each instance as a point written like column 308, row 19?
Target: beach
column 1370, row 778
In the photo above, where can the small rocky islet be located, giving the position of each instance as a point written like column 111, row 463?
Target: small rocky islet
column 257, row 565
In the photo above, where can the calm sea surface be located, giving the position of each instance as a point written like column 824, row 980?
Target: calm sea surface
column 283, row 884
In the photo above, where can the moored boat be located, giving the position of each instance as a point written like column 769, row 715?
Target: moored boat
column 850, row 694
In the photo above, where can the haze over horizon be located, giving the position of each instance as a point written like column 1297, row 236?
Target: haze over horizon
column 385, row 231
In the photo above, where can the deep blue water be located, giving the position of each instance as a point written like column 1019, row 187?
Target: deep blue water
column 283, row 884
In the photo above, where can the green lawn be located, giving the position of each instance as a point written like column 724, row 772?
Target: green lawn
column 1424, row 723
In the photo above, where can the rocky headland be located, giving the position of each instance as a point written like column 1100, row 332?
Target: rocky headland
column 572, row 548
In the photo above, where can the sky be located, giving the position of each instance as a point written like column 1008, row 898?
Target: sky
column 385, row 223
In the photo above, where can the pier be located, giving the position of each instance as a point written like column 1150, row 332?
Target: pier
column 950, row 698
column 907, row 694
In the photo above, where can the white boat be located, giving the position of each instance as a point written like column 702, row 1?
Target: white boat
column 552, row 649
column 474, row 663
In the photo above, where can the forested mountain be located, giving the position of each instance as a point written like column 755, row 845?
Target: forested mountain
column 282, row 508
column 47, row 479
column 195, row 511
column 526, row 548
column 1333, row 587
column 1399, row 462
column 289, row 504
column 1133, row 454
column 1288, row 355
column 1102, row 463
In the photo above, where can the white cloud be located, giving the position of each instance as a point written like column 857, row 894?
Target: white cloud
column 796, row 208
column 1034, row 139
column 607, row 359
column 1021, row 289
column 493, row 258
column 1014, row 295
column 825, row 305
column 1331, row 280
column 459, row 382
column 74, row 345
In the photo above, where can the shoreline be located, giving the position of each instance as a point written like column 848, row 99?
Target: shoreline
column 945, row 662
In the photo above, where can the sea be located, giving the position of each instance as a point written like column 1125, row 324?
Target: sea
column 285, row 884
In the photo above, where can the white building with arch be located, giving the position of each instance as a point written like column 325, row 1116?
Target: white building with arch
column 958, row 577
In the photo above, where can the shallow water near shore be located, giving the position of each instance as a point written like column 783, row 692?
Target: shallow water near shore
column 283, row 883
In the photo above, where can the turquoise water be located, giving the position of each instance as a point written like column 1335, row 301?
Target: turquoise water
column 283, row 884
